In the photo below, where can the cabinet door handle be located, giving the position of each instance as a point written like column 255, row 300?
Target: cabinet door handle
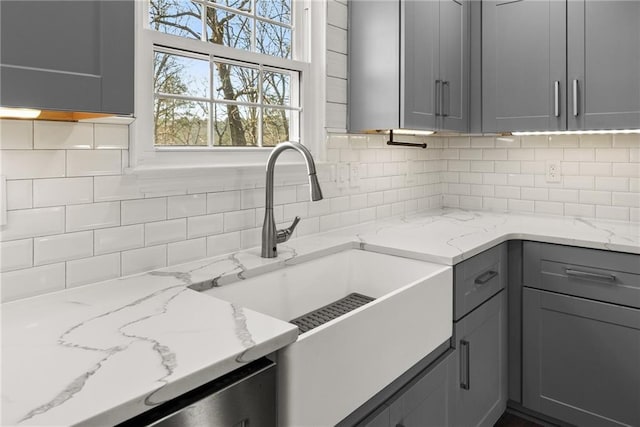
column 438, row 96
column 556, row 98
column 485, row 277
column 588, row 275
column 575, row 98
column 464, row 364
column 446, row 110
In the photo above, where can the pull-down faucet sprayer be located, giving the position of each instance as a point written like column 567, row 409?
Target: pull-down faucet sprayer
column 270, row 236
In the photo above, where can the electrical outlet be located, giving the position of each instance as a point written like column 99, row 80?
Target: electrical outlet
column 343, row 175
column 553, row 171
column 354, row 174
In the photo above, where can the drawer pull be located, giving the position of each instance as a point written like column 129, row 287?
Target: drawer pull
column 485, row 277
column 593, row 276
column 464, row 364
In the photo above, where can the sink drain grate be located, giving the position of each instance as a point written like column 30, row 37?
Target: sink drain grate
column 329, row 312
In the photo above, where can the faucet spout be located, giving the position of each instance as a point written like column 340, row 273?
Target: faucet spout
column 269, row 232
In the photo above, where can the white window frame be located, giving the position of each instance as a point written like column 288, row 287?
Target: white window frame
column 309, row 32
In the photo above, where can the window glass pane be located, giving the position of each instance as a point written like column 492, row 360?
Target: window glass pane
column 243, row 5
column 179, row 122
column 273, row 40
column 228, row 29
column 276, row 88
column 275, row 126
column 236, row 83
column 235, row 125
column 278, row 10
column 177, row 17
column 182, row 75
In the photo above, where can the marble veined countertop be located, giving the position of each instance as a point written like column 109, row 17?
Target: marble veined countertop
column 100, row 354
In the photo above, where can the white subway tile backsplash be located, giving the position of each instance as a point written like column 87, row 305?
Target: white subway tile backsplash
column 521, row 180
column 144, row 210
column 579, row 154
column 225, row 201
column 336, row 41
column 250, row 238
column 626, row 140
column 63, row 247
column 118, row 239
column 111, row 188
column 482, row 166
column 92, row 216
column 145, row 259
column 336, row 64
column 507, row 192
column 529, row 193
column 579, row 210
column 483, row 142
column 612, row 212
column 33, row 223
column 595, row 169
column 239, row 220
column 551, row 208
column 223, row 243
column 92, row 270
column 539, row 141
column 459, row 142
column 337, row 14
column 16, row 254
column 516, row 205
column 471, row 202
column 94, row 162
column 521, row 154
column 595, row 141
column 62, row 135
column 462, row 165
column 564, row 141
column 32, row 281
column 185, row 206
column 62, row 191
column 612, row 155
column 494, row 204
column 631, row 170
column 564, row 195
column 109, row 136
column 507, row 142
column 156, row 233
column 19, row 194
column 290, row 211
column 631, row 200
column 186, row 250
column 204, row 225
column 21, row 164
column 579, row 182
column 548, row 154
column 595, row 197
column 16, row 134
column 612, row 183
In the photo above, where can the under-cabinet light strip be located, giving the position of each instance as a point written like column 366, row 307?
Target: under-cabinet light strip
column 577, row 132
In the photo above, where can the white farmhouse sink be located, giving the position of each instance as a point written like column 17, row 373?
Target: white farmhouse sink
column 332, row 369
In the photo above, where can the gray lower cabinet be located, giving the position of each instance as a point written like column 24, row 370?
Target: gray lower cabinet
column 581, row 334
column 479, row 387
column 423, row 402
column 581, row 359
column 67, row 55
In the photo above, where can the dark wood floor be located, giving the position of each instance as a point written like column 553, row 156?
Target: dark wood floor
column 510, row 420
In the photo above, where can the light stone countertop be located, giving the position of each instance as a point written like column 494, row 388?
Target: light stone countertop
column 102, row 353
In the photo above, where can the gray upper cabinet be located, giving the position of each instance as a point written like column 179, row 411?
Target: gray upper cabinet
column 67, row 55
column 603, row 64
column 409, row 65
column 523, row 65
column 558, row 65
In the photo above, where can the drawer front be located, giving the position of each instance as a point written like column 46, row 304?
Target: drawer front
column 590, row 273
column 478, row 279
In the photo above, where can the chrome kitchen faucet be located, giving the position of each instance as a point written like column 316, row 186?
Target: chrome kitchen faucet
column 270, row 236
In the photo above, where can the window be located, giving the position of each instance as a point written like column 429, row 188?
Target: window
column 223, row 76
column 204, row 99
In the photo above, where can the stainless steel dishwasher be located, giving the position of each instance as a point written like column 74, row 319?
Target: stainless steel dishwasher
column 245, row 397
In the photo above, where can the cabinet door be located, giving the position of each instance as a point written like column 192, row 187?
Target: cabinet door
column 580, row 359
column 523, row 65
column 479, row 390
column 67, row 55
column 604, row 64
column 420, row 81
column 454, row 63
column 426, row 402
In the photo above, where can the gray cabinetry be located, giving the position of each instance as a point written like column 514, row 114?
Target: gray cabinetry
column 423, row 402
column 556, row 65
column 409, row 65
column 67, row 55
column 479, row 388
column 523, row 65
column 581, row 334
column 603, row 64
